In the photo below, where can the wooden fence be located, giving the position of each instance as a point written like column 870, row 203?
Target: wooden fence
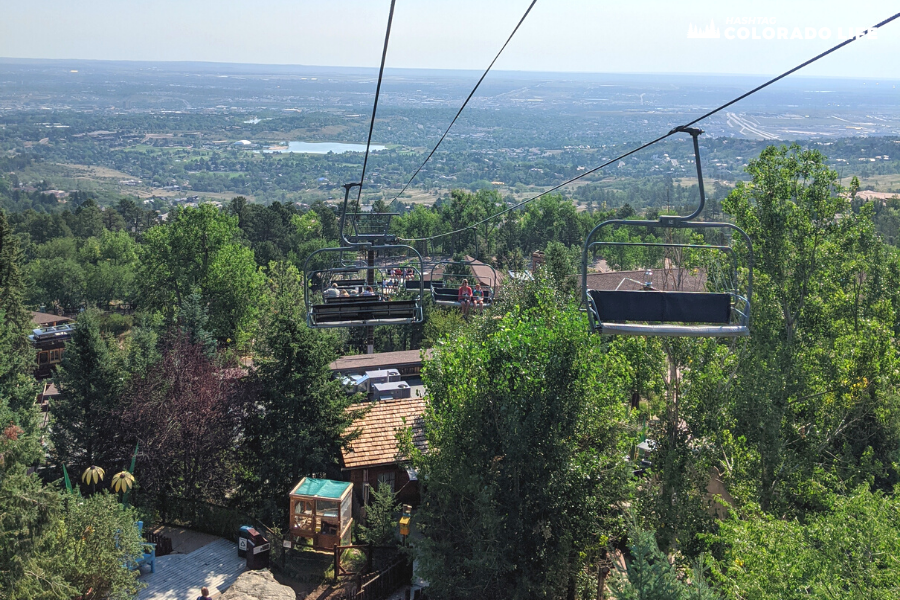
column 163, row 543
column 381, row 584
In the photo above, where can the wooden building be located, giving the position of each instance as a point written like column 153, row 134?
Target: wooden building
column 322, row 510
column 374, row 456
column 49, row 339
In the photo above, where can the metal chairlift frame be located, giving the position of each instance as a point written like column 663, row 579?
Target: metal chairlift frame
column 677, row 307
column 368, row 312
column 360, row 311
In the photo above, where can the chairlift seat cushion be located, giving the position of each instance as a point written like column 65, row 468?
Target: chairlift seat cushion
column 665, row 307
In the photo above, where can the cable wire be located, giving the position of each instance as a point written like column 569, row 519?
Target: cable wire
column 387, row 38
column 664, row 136
column 472, row 93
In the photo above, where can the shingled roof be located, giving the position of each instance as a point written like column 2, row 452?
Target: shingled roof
column 359, row 363
column 663, row 279
column 377, row 442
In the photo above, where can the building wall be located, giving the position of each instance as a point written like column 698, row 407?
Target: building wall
column 47, row 358
column 407, row 491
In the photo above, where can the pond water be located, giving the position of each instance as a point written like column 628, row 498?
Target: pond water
column 326, row 147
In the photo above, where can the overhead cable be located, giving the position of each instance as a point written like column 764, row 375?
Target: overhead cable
column 664, row 136
column 472, row 93
column 387, row 38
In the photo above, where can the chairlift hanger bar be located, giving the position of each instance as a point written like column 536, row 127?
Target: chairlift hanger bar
column 673, row 131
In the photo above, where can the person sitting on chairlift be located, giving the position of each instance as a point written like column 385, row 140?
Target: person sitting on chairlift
column 464, row 296
column 478, row 296
column 345, row 294
column 332, row 292
column 368, row 291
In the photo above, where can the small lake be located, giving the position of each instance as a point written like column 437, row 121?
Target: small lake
column 326, row 147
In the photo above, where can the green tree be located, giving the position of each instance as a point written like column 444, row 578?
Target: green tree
column 17, row 385
column 650, row 576
column 560, row 262
column 299, row 413
column 90, row 379
column 814, row 398
column 846, row 552
column 381, row 516
column 525, row 443
column 100, row 543
column 200, row 249
column 193, row 317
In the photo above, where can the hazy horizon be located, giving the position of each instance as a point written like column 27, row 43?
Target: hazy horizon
column 563, row 36
column 276, row 68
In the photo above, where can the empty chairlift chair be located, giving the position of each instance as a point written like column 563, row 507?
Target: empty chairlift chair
column 719, row 309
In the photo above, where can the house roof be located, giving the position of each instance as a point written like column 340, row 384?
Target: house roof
column 377, row 440
column 662, row 279
column 382, row 360
column 42, row 319
column 484, row 273
column 321, row 488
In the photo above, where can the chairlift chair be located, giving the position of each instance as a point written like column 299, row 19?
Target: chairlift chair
column 720, row 312
column 447, row 295
column 360, row 310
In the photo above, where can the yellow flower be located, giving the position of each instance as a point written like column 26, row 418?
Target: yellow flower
column 93, row 475
column 122, row 482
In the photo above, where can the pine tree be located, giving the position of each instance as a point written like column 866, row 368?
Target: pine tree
column 650, row 576
column 299, row 413
column 193, row 318
column 17, row 385
column 381, row 516
column 90, row 379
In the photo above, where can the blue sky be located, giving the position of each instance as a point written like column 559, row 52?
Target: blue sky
column 647, row 36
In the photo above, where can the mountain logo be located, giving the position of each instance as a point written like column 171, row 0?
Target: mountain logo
column 708, row 32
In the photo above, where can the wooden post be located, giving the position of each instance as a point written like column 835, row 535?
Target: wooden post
column 337, row 562
column 601, row 582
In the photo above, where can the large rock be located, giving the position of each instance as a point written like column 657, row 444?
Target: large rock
column 258, row 585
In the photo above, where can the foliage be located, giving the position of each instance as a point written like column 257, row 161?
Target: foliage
column 184, row 414
column 297, row 413
column 199, row 249
column 848, row 552
column 99, row 540
column 814, row 399
column 650, row 576
column 381, row 516
column 524, row 453
column 16, row 355
column 86, row 429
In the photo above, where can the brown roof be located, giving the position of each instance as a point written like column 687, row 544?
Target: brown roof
column 377, row 441
column 663, row 279
column 484, row 273
column 379, row 360
column 44, row 319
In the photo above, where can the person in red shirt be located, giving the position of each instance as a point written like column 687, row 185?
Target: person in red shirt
column 464, row 296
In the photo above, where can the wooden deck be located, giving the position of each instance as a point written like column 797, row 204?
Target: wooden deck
column 180, row 576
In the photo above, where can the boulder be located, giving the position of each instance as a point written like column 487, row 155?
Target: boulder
column 258, row 585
